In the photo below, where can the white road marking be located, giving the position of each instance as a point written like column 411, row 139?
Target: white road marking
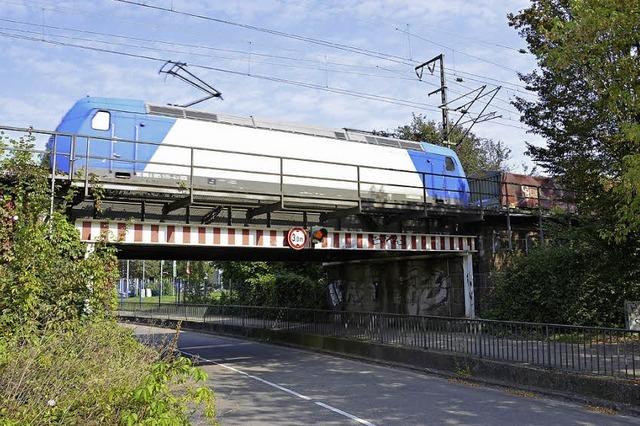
column 282, row 388
column 344, row 413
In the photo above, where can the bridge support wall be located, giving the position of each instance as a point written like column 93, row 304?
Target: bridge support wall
column 412, row 286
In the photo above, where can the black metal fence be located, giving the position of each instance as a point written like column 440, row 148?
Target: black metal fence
column 590, row 350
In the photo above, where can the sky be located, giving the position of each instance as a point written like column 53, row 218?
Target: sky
column 42, row 78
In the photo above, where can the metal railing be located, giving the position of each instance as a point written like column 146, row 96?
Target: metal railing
column 586, row 350
column 75, row 157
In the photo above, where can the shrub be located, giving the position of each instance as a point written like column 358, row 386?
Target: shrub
column 63, row 359
column 96, row 373
column 583, row 282
column 45, row 275
column 292, row 284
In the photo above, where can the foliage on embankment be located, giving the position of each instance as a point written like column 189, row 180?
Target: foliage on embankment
column 63, row 358
column 587, row 109
column 583, row 281
column 94, row 372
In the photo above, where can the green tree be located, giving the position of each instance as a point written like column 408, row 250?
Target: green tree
column 292, row 284
column 46, row 276
column 476, row 154
column 63, row 359
column 588, row 110
column 588, row 105
column 584, row 281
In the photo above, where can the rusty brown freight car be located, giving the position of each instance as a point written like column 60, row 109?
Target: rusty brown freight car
column 505, row 189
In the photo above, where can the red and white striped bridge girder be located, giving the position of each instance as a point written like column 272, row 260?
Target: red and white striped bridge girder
column 233, row 238
column 149, row 233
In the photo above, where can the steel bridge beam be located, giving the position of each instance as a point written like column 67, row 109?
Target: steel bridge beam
column 177, row 204
column 267, row 208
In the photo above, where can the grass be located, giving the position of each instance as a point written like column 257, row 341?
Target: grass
column 153, row 299
column 214, row 295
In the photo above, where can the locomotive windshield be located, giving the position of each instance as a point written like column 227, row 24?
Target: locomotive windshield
column 449, row 164
column 101, row 120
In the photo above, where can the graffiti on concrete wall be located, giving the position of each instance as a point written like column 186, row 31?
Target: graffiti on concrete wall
column 361, row 296
column 406, row 286
column 429, row 295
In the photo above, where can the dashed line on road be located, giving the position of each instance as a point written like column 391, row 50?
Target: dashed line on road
column 282, row 388
column 344, row 413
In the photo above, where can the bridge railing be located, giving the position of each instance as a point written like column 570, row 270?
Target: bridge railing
column 587, row 350
column 76, row 157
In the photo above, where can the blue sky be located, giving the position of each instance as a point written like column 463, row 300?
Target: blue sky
column 41, row 81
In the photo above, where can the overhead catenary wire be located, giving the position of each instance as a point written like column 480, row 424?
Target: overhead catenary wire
column 357, row 94
column 57, row 8
column 135, row 46
column 479, row 58
column 364, row 95
column 236, row 59
column 317, row 41
column 326, row 43
column 233, row 51
column 195, row 46
column 394, row 23
column 507, row 85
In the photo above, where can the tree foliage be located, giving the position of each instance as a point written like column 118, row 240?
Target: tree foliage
column 588, row 110
column 45, row 275
column 63, row 359
column 583, row 281
column 291, row 284
column 476, row 154
column 588, row 106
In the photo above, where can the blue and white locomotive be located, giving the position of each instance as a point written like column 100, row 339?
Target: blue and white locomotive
column 144, row 143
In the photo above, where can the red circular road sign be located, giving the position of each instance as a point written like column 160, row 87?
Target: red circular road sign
column 297, row 238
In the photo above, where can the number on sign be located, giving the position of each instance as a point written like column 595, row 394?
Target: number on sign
column 297, row 238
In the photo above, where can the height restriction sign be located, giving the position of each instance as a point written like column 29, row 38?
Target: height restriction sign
column 297, row 238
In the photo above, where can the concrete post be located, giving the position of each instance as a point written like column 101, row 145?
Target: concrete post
column 469, row 297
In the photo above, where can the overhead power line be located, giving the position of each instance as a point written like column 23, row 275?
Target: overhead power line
column 479, row 40
column 460, row 52
column 195, row 46
column 317, row 41
column 347, row 92
column 507, row 85
column 326, row 43
column 364, row 95
column 322, row 66
column 180, row 52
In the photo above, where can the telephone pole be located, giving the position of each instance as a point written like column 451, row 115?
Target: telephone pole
column 431, row 65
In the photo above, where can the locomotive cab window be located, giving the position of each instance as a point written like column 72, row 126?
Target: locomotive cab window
column 101, row 120
column 449, row 164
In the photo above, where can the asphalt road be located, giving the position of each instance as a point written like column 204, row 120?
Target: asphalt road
column 262, row 384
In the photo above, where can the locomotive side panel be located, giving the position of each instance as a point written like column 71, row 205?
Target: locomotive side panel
column 309, row 166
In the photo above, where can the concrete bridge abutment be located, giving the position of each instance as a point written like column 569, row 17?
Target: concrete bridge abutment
column 416, row 285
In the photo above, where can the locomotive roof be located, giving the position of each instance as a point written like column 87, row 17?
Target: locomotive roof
column 140, row 107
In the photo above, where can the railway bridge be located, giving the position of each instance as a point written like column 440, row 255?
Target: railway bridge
column 413, row 256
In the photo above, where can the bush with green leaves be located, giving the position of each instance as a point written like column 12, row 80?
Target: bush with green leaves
column 94, row 372
column 45, row 275
column 584, row 281
column 290, row 284
column 63, row 358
